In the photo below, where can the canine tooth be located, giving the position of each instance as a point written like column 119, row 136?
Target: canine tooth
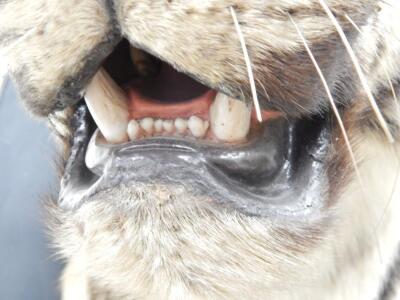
column 96, row 155
column 147, row 125
column 133, row 130
column 158, row 125
column 168, row 126
column 109, row 107
column 229, row 118
column 181, row 125
column 197, row 127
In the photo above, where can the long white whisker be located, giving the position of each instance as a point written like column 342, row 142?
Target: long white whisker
column 331, row 100
column 248, row 65
column 353, row 23
column 359, row 71
column 397, row 105
column 337, row 115
column 396, row 102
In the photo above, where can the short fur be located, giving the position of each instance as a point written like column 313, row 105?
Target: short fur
column 157, row 242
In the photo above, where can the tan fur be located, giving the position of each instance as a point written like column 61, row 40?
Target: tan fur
column 157, row 242
column 177, row 251
column 46, row 42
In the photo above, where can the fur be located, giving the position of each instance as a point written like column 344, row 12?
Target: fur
column 161, row 242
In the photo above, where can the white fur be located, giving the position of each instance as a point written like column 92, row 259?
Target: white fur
column 3, row 74
column 75, row 283
column 384, row 29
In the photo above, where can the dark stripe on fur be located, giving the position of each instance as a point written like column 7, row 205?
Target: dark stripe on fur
column 392, row 282
column 69, row 92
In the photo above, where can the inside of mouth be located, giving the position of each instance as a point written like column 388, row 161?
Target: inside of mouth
column 147, row 112
column 136, row 95
column 150, row 76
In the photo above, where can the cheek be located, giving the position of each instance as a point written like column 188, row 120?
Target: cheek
column 289, row 82
column 48, row 43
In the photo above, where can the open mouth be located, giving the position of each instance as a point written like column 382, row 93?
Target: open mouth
column 143, row 121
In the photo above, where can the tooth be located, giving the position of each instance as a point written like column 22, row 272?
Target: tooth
column 229, row 118
column 109, row 107
column 147, row 125
column 168, row 126
column 197, row 127
column 96, row 154
column 133, row 130
column 181, row 125
column 158, row 126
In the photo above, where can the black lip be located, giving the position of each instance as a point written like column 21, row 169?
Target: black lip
column 280, row 172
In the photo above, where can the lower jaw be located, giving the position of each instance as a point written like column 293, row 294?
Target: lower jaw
column 272, row 174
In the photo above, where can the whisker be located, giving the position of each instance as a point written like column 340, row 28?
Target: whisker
column 263, row 87
column 396, row 102
column 359, row 71
column 339, row 119
column 331, row 100
column 397, row 105
column 353, row 23
column 248, row 65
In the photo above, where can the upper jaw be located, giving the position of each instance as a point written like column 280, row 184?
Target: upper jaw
column 59, row 71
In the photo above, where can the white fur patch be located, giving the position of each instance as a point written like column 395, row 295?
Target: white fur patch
column 3, row 75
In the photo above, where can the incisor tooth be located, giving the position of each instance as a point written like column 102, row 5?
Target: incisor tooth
column 229, row 118
column 168, row 126
column 109, row 107
column 158, row 126
column 133, row 130
column 197, row 127
column 181, row 125
column 147, row 125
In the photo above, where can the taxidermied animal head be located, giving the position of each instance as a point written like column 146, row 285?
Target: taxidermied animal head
column 217, row 149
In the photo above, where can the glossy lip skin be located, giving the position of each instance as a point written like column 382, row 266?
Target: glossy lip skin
column 291, row 183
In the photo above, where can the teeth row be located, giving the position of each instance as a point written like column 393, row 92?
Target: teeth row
column 149, row 127
column 108, row 104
